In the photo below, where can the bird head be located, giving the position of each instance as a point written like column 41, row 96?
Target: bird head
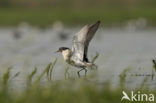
column 66, row 52
column 61, row 49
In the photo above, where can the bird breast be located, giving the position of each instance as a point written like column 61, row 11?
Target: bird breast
column 66, row 54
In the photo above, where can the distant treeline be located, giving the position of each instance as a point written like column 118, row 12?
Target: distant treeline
column 77, row 4
column 46, row 12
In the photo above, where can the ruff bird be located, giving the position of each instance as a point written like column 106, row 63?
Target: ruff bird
column 78, row 55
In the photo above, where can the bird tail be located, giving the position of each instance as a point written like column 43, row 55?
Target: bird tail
column 91, row 65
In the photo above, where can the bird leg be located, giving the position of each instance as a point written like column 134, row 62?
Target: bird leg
column 85, row 71
column 81, row 70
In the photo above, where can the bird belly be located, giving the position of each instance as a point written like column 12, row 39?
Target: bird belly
column 77, row 63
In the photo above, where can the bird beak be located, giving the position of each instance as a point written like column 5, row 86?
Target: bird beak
column 57, row 51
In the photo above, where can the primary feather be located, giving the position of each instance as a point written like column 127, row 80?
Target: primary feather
column 81, row 41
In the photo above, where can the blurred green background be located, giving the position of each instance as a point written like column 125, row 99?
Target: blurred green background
column 25, row 76
column 45, row 12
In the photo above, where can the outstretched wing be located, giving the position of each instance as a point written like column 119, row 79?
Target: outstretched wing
column 81, row 41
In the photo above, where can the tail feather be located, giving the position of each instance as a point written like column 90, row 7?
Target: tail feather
column 91, row 65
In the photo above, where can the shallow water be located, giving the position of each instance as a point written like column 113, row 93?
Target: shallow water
column 118, row 48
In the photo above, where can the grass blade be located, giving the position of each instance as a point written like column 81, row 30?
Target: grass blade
column 42, row 74
column 154, row 64
column 16, row 75
column 6, row 77
column 29, row 79
column 95, row 57
column 66, row 74
column 51, row 69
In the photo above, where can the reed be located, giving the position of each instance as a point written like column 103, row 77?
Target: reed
column 80, row 90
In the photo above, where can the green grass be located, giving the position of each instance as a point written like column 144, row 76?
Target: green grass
column 44, row 17
column 68, row 90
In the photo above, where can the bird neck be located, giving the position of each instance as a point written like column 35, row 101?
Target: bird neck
column 66, row 55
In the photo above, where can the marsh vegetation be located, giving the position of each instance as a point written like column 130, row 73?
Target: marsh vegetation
column 123, row 49
column 71, row 90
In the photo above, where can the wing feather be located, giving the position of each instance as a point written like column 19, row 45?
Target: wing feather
column 81, row 41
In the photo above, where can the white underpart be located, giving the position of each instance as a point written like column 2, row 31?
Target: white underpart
column 66, row 54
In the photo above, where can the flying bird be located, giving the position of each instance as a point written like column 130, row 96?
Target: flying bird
column 77, row 56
